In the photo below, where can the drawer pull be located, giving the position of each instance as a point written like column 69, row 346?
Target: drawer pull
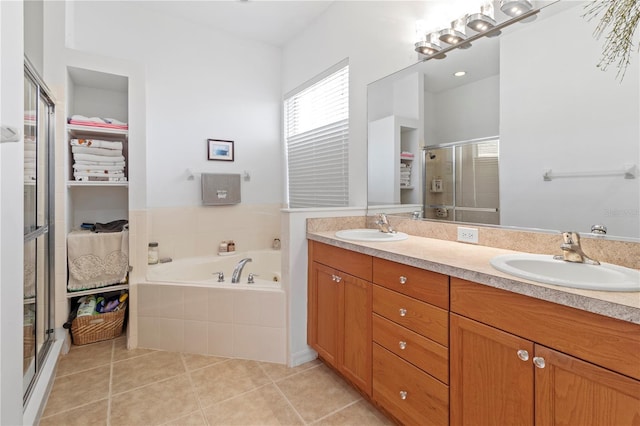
column 403, row 312
column 538, row 361
column 523, row 355
column 403, row 345
column 403, row 395
column 403, row 279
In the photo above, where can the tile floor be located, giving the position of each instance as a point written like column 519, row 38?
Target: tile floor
column 106, row 384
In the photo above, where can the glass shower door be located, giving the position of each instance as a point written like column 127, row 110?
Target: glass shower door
column 38, row 217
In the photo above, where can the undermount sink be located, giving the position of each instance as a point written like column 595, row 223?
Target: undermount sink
column 546, row 269
column 373, row 235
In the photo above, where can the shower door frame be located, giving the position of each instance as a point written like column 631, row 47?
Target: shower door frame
column 47, row 229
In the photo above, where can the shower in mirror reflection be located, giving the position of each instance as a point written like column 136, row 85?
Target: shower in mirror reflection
column 461, row 181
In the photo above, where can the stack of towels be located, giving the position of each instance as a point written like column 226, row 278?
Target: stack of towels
column 405, row 174
column 96, row 160
column 29, row 159
column 106, row 123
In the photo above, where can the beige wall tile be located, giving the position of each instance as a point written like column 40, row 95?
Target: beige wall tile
column 171, row 334
column 195, row 337
column 219, row 339
column 259, row 343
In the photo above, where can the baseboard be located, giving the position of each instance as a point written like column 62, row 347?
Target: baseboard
column 300, row 357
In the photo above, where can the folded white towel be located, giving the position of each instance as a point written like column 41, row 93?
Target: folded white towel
column 95, row 143
column 99, row 163
column 107, row 173
column 96, row 151
column 114, row 121
column 98, row 158
column 97, row 169
column 102, row 178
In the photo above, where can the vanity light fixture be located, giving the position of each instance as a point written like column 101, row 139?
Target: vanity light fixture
column 430, row 45
column 455, row 34
column 515, row 8
column 483, row 21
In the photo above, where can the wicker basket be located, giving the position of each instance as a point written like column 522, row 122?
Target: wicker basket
column 95, row 328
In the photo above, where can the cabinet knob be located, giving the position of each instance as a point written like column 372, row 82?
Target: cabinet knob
column 402, row 344
column 338, row 279
column 523, row 355
column 403, row 312
column 403, row 279
column 538, row 361
column 403, row 395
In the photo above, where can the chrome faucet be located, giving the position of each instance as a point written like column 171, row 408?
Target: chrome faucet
column 572, row 251
column 237, row 271
column 383, row 224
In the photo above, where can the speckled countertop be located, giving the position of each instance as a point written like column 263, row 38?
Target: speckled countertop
column 471, row 262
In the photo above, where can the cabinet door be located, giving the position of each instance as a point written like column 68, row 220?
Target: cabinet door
column 492, row 377
column 324, row 312
column 355, row 324
column 573, row 392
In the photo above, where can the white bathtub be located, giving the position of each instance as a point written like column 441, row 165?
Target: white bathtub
column 203, row 271
column 182, row 307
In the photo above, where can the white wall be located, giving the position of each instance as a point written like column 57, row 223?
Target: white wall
column 11, row 214
column 571, row 114
column 200, row 84
column 467, row 112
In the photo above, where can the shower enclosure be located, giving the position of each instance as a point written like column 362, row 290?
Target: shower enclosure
column 461, row 181
column 38, row 226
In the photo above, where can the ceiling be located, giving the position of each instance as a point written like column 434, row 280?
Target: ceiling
column 272, row 22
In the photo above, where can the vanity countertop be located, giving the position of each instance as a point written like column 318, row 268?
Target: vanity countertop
column 471, row 262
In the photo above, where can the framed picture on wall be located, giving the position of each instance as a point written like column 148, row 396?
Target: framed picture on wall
column 219, row 150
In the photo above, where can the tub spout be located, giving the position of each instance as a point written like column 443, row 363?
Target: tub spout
column 237, row 271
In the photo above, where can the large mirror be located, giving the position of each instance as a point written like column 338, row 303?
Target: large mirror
column 534, row 135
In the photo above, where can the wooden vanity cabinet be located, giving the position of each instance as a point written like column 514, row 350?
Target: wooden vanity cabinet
column 520, row 360
column 410, row 343
column 339, row 311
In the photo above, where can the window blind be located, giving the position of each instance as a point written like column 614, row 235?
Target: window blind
column 316, row 132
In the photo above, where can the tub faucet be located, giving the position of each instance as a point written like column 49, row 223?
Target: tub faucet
column 237, row 271
column 572, row 251
column 383, row 224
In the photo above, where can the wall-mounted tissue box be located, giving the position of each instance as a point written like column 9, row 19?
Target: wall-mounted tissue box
column 219, row 189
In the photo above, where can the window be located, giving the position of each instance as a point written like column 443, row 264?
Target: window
column 316, row 134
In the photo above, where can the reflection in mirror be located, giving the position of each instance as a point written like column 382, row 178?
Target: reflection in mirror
column 462, row 182
column 550, row 107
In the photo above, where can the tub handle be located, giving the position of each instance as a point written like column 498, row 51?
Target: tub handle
column 220, row 276
column 250, row 278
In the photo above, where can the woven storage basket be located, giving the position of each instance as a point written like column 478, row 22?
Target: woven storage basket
column 94, row 328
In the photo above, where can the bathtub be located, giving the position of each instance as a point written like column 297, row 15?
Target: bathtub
column 183, row 308
column 203, row 271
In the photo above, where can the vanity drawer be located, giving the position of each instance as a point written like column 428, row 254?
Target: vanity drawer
column 351, row 262
column 406, row 392
column 423, row 318
column 419, row 351
column 424, row 285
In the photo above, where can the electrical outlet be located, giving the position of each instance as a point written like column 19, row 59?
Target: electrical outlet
column 467, row 235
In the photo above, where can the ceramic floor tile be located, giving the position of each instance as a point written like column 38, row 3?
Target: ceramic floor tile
column 263, row 406
column 195, row 361
column 78, row 416
column 85, row 357
column 227, row 379
column 74, row 390
column 140, row 371
column 154, row 404
column 317, row 392
column 121, row 353
column 193, row 419
column 358, row 414
column 280, row 371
